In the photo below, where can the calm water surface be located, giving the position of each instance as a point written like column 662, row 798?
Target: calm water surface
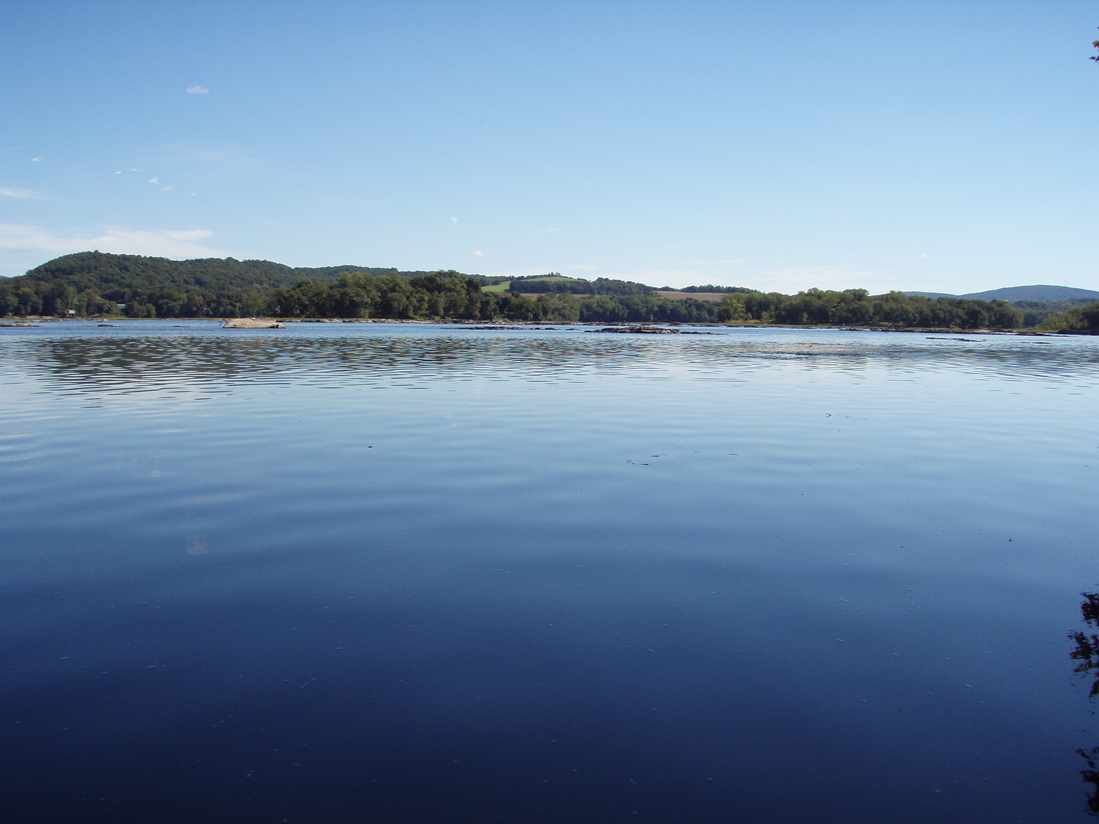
column 425, row 573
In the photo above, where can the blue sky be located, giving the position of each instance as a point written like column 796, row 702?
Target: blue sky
column 783, row 145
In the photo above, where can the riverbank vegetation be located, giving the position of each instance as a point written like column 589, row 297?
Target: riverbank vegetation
column 92, row 284
column 1083, row 319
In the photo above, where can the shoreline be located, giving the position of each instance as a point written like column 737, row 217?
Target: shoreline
column 30, row 321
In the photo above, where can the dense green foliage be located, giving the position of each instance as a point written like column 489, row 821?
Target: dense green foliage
column 92, row 283
column 1077, row 319
column 1046, row 313
column 556, row 283
column 95, row 283
column 856, row 307
column 451, row 295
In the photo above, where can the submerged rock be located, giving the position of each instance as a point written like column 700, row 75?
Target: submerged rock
column 638, row 330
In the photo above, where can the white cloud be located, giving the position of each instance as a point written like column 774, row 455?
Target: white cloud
column 16, row 193
column 36, row 159
column 154, row 180
column 118, row 171
column 197, row 88
column 477, row 253
column 167, row 188
column 172, row 243
column 454, row 220
column 133, row 170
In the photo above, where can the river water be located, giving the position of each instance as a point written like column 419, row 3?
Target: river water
column 412, row 572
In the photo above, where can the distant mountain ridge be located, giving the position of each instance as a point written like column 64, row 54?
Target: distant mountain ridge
column 1036, row 293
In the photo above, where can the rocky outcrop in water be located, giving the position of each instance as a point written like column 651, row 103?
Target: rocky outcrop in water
column 251, row 323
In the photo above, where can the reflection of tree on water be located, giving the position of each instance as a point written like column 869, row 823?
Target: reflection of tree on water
column 216, row 362
column 1086, row 656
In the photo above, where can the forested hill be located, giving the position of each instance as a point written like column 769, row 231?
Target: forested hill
column 91, row 283
column 109, row 273
column 97, row 282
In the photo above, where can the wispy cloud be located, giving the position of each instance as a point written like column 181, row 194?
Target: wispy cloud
column 37, row 159
column 454, row 220
column 197, row 88
column 172, row 243
column 15, row 193
column 154, row 180
column 168, row 188
column 477, row 253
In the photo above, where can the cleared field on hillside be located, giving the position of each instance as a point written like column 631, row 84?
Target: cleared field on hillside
column 552, row 279
column 712, row 297
column 536, row 295
column 667, row 294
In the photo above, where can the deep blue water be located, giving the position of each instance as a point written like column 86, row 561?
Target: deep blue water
column 368, row 572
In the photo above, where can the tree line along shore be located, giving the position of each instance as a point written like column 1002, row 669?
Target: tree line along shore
column 95, row 284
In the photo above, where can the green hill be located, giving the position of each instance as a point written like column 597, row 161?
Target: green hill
column 96, row 282
column 117, row 273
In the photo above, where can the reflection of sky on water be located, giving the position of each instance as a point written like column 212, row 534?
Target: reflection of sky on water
column 554, row 557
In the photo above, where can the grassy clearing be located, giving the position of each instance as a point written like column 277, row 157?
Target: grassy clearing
column 710, row 297
column 574, row 296
column 552, row 279
column 667, row 294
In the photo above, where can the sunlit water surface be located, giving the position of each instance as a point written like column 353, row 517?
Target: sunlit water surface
column 427, row 573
